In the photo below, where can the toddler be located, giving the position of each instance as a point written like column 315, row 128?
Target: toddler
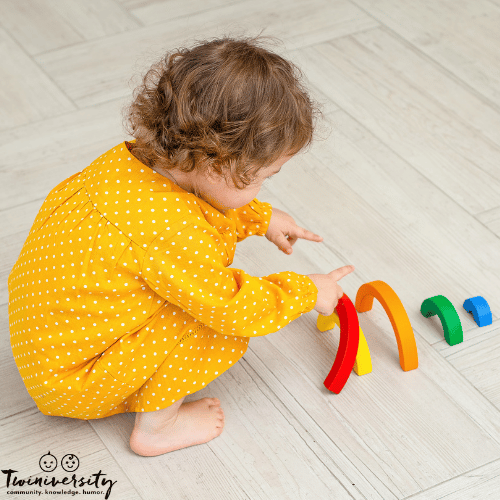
column 122, row 299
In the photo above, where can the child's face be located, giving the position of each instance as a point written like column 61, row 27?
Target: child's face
column 215, row 191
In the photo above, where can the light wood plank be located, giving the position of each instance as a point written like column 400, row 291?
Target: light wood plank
column 295, row 22
column 411, row 124
column 37, row 157
column 478, row 484
column 396, row 59
column 28, row 435
column 477, row 359
column 52, row 24
column 491, row 219
column 160, row 11
column 135, row 4
column 462, row 36
column 325, row 104
column 304, row 22
column 27, row 94
column 119, row 58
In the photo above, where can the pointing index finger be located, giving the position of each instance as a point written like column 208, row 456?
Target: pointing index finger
column 341, row 272
column 309, row 235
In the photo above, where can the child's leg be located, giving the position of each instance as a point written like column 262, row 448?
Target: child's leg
column 177, row 426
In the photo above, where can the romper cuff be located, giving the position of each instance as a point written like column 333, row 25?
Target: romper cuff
column 252, row 219
column 298, row 286
column 308, row 291
column 261, row 213
column 311, row 294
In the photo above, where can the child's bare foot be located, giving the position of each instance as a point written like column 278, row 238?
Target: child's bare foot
column 196, row 422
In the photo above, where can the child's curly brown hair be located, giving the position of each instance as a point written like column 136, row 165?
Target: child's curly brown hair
column 226, row 103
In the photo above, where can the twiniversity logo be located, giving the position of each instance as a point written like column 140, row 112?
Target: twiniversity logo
column 94, row 484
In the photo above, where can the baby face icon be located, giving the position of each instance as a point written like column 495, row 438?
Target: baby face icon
column 70, row 462
column 48, row 462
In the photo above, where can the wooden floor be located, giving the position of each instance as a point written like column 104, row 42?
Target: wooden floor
column 403, row 182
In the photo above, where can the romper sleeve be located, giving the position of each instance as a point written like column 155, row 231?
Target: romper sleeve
column 184, row 266
column 252, row 218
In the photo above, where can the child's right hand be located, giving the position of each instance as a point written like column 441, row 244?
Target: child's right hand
column 329, row 292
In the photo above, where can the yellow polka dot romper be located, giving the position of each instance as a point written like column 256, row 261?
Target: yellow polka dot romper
column 122, row 299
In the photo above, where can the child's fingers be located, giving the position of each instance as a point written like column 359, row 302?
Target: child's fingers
column 339, row 273
column 283, row 243
column 309, row 235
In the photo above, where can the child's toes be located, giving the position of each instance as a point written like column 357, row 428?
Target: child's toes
column 222, row 419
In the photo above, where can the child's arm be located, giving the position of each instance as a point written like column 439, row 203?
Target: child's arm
column 185, row 266
column 251, row 219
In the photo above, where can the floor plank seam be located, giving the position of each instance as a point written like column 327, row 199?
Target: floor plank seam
column 450, row 479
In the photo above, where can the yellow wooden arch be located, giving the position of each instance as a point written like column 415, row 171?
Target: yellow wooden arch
column 363, row 364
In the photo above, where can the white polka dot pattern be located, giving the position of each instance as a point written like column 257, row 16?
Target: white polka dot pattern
column 121, row 299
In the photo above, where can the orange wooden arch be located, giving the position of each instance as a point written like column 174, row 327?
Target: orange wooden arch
column 407, row 347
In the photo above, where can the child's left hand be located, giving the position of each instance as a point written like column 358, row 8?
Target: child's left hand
column 283, row 231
